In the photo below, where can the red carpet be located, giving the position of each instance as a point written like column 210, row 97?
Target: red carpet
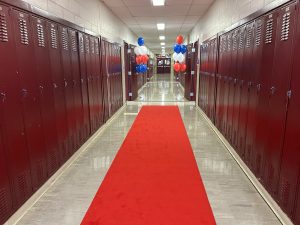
column 154, row 179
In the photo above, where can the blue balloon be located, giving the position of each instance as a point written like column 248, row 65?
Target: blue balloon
column 183, row 49
column 141, row 41
column 177, row 48
column 138, row 68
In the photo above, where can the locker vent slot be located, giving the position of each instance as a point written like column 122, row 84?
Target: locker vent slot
column 269, row 31
column 224, row 45
column 92, row 47
column 258, row 35
column 87, row 46
column 3, row 28
column 285, row 29
column 229, row 43
column 97, row 47
column 73, row 43
column 41, row 36
column 81, row 45
column 53, row 38
column 234, row 42
column 248, row 39
column 64, row 40
column 241, row 42
column 23, row 32
column 285, row 192
column 4, row 208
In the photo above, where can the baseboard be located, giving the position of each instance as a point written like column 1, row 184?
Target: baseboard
column 18, row 215
column 280, row 214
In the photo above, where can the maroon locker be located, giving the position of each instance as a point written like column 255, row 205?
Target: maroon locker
column 188, row 75
column 254, row 89
column 11, row 120
column 239, row 85
column 5, row 194
column 232, row 84
column 84, row 86
column 69, row 89
column 290, row 161
column 44, row 80
column 261, row 131
column 297, row 208
column 58, row 86
column 78, row 108
column 29, row 97
column 278, row 96
column 245, row 86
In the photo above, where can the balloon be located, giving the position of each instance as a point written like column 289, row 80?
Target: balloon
column 138, row 68
column 176, row 67
column 183, row 67
column 144, row 68
column 177, row 48
column 175, row 56
column 144, row 59
column 143, row 50
column 137, row 51
column 179, row 39
column 141, row 41
column 180, row 57
column 138, row 59
column 183, row 49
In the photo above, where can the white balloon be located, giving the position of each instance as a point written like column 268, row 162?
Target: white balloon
column 143, row 50
column 137, row 50
column 175, row 56
column 180, row 58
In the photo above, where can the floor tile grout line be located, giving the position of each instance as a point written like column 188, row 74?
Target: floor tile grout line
column 278, row 212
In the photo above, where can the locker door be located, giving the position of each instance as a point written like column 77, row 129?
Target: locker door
column 5, row 194
column 245, row 86
column 58, row 85
column 44, row 80
column 84, row 85
column 104, row 78
column 232, row 83
column 29, row 97
column 188, row 75
column 263, row 108
column 212, row 88
column 290, row 161
column 239, row 85
column 280, row 83
column 11, row 120
column 254, row 90
column 78, row 108
column 69, row 88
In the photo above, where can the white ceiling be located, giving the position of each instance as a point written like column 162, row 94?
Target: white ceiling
column 180, row 16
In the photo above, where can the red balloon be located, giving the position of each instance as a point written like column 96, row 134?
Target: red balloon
column 138, row 59
column 176, row 67
column 183, row 67
column 144, row 59
column 179, row 39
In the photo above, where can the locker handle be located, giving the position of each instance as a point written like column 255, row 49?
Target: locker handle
column 24, row 92
column 3, row 96
column 66, row 83
column 41, row 88
column 272, row 90
column 81, row 80
column 258, row 87
column 55, row 85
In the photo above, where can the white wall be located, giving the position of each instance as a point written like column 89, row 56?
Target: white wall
column 222, row 14
column 90, row 14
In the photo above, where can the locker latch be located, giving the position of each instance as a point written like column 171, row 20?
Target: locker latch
column 129, row 73
column 41, row 88
column 272, row 90
column 235, row 80
column 258, row 87
column 81, row 80
column 24, row 92
column 192, row 72
column 289, row 94
column 3, row 96
column 191, row 94
column 66, row 83
column 130, row 94
column 55, row 85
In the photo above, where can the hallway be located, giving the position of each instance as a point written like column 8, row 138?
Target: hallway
column 233, row 198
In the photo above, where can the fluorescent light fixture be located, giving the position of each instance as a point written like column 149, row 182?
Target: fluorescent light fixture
column 163, row 43
column 160, row 26
column 158, row 2
column 162, row 47
column 162, row 37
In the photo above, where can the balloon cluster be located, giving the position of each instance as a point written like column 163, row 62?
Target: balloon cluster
column 141, row 56
column 178, row 55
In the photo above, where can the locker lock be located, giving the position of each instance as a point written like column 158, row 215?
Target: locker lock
column 272, row 90
column 3, row 96
column 289, row 94
column 55, row 85
column 66, row 83
column 41, row 88
column 235, row 80
column 24, row 92
column 258, row 87
column 81, row 80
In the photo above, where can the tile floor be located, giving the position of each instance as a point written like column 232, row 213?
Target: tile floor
column 233, row 198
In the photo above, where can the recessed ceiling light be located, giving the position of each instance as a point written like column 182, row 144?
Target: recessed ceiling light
column 162, row 37
column 163, row 43
column 158, row 2
column 163, row 47
column 160, row 26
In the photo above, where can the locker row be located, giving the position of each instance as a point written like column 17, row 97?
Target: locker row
column 249, row 87
column 57, row 87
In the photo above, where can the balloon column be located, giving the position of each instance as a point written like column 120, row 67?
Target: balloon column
column 141, row 56
column 178, row 55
